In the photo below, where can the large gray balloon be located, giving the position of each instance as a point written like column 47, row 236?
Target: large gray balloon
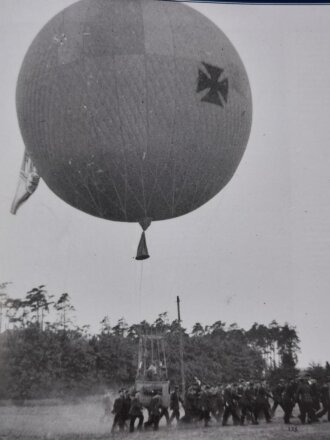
column 134, row 109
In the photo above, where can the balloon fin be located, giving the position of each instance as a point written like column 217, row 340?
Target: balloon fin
column 27, row 183
column 142, row 252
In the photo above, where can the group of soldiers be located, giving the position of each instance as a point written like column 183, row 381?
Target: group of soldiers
column 238, row 403
column 128, row 408
column 249, row 401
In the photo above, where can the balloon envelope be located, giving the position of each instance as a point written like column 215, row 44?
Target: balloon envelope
column 134, row 109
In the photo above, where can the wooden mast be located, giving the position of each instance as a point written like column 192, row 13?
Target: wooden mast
column 183, row 380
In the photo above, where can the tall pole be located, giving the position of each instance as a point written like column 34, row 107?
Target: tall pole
column 183, row 380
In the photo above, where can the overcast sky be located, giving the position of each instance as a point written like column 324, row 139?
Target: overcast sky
column 258, row 251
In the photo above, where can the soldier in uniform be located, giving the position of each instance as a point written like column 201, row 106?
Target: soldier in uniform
column 261, row 403
column 205, row 404
column 325, row 400
column 135, row 412
column 315, row 393
column 216, row 408
column 230, row 403
column 119, row 412
column 164, row 413
column 289, row 399
column 175, row 401
column 219, row 402
column 305, row 401
column 247, row 402
column 154, row 411
column 191, row 404
column 277, row 393
column 126, row 406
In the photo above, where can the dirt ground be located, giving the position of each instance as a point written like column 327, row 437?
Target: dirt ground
column 84, row 421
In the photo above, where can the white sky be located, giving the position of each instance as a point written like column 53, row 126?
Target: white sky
column 258, row 251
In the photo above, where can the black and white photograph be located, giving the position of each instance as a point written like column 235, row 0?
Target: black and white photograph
column 164, row 220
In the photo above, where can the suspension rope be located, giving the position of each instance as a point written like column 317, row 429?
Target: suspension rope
column 158, row 352
column 144, row 356
column 140, row 290
column 164, row 356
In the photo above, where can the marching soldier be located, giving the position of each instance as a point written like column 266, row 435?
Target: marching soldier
column 289, row 400
column 154, row 411
column 277, row 392
column 230, row 400
column 247, row 402
column 325, row 401
column 219, row 402
column 305, row 401
column 119, row 412
column 205, row 405
column 261, row 403
column 136, row 412
column 126, row 406
column 216, row 407
column 175, row 404
column 315, row 393
column 164, row 413
column 191, row 404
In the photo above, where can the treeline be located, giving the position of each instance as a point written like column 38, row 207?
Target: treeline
column 44, row 354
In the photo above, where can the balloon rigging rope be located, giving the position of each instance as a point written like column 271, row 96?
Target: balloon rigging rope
column 140, row 290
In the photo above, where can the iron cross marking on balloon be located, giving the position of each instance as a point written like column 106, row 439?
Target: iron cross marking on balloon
column 218, row 90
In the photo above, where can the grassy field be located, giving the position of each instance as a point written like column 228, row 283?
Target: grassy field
column 84, row 421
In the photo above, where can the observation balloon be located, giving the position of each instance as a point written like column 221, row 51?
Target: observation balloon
column 134, row 110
